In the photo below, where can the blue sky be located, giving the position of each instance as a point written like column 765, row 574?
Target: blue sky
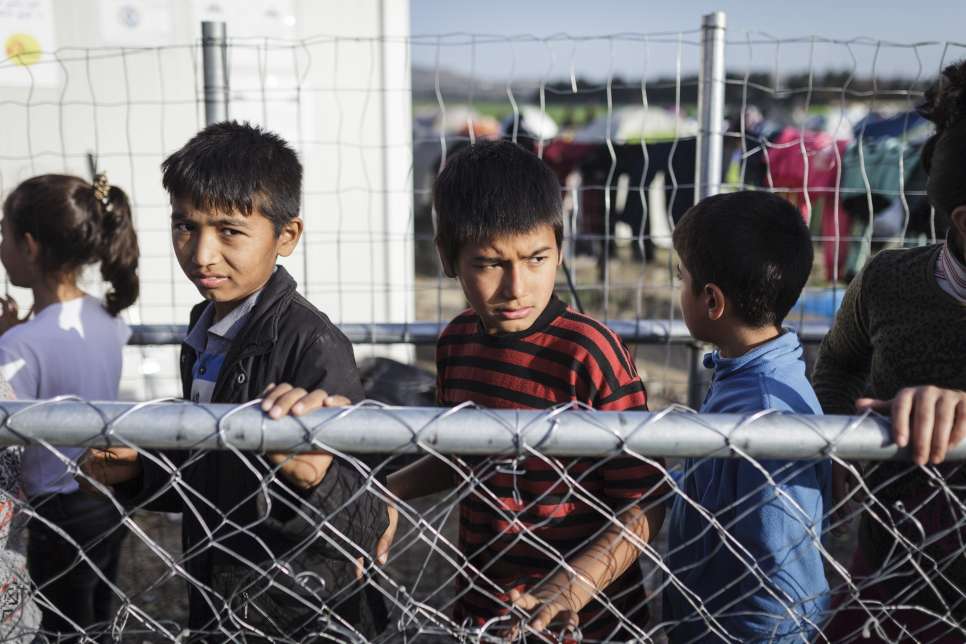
column 888, row 21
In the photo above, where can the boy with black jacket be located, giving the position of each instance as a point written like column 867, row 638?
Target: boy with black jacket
column 235, row 193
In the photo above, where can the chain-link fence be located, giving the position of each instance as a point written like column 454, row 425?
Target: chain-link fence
column 274, row 565
column 373, row 118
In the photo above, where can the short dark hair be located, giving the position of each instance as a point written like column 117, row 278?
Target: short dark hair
column 236, row 166
column 490, row 189
column 754, row 245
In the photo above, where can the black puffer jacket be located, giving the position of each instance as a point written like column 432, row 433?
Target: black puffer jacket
column 267, row 566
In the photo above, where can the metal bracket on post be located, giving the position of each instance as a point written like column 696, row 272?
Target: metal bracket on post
column 214, row 52
column 711, row 97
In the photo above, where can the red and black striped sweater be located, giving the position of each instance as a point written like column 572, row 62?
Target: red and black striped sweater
column 528, row 517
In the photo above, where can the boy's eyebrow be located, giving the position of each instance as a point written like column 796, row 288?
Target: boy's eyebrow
column 497, row 256
column 226, row 220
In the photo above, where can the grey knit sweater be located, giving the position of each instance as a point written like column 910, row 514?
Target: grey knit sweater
column 897, row 328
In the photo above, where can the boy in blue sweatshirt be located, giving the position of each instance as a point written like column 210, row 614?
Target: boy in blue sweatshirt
column 744, row 259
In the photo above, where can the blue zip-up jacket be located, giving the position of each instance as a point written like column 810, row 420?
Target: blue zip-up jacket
column 786, row 601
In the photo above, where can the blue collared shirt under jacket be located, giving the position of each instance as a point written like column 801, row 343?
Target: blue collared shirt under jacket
column 765, row 581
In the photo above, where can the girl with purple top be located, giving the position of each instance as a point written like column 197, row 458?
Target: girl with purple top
column 53, row 226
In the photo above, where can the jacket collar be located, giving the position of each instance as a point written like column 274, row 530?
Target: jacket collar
column 261, row 329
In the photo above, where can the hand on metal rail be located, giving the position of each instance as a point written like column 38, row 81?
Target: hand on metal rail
column 928, row 418
column 308, row 470
column 108, row 467
column 304, row 470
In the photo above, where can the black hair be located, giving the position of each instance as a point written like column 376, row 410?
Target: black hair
column 233, row 166
column 754, row 245
column 944, row 153
column 73, row 228
column 490, row 189
column 944, row 103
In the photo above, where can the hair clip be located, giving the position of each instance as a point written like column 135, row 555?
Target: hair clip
column 102, row 190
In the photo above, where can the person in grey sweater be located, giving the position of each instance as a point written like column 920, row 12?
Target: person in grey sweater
column 898, row 346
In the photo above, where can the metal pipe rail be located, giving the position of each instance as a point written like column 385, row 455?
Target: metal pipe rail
column 369, row 428
column 425, row 333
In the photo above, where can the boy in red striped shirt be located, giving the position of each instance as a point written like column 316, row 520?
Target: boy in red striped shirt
column 541, row 531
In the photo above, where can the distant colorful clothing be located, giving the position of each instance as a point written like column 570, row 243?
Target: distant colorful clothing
column 807, row 165
column 776, row 522
column 528, row 516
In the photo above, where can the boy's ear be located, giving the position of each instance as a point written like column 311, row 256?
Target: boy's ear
column 448, row 269
column 31, row 246
column 715, row 301
column 288, row 237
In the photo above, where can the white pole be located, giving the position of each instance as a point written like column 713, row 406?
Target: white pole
column 711, row 96
column 214, row 54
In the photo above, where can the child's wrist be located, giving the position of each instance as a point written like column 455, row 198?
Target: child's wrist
column 566, row 589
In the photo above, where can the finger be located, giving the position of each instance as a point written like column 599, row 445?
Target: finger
column 567, row 621
column 523, row 601
column 360, row 568
column 943, row 427
column 95, row 456
column 544, row 616
column 385, row 541
column 267, row 389
column 283, row 404
column 901, row 411
column 337, row 401
column 573, row 620
column 276, row 392
column 382, row 548
column 310, row 402
column 86, row 486
column 86, row 461
column 278, row 458
column 874, row 404
column 959, row 424
column 921, row 423
column 121, row 454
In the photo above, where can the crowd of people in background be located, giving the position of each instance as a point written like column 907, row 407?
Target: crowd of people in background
column 744, row 559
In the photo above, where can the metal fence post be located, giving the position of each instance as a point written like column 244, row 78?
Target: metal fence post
column 711, row 97
column 214, row 52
